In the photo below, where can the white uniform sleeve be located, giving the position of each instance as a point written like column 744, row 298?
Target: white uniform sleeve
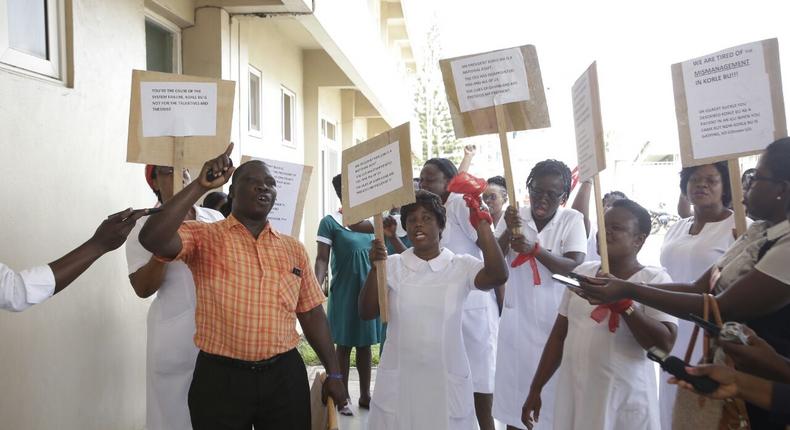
column 459, row 212
column 136, row 255
column 19, row 291
column 474, row 266
column 662, row 277
column 565, row 303
column 575, row 239
column 774, row 262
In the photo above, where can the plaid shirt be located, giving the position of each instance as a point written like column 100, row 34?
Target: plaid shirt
column 248, row 290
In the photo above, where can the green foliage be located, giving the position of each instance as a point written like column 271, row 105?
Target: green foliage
column 430, row 104
column 311, row 358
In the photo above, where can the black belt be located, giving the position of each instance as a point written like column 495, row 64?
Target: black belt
column 254, row 366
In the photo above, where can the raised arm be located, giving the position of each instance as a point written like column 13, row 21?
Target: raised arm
column 368, row 302
column 494, row 272
column 469, row 154
column 582, row 203
column 160, row 233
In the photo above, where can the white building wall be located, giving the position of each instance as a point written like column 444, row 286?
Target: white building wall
column 78, row 360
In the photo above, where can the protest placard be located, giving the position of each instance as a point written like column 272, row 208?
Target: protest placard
column 729, row 104
column 178, row 120
column 377, row 176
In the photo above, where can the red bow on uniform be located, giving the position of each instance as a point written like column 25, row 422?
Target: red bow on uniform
column 614, row 309
column 471, row 188
column 533, row 263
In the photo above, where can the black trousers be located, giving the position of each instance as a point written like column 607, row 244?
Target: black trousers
column 228, row 394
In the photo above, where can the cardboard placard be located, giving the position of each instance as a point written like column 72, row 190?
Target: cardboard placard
column 509, row 77
column 167, row 107
column 377, row 175
column 590, row 148
column 588, row 124
column 292, row 182
column 729, row 103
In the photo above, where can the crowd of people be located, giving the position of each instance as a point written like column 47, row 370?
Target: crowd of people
column 478, row 328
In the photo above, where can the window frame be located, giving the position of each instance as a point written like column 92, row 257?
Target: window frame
column 253, row 71
column 171, row 27
column 283, row 93
column 52, row 69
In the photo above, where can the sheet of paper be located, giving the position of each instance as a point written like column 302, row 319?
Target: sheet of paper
column 289, row 179
column 480, row 79
column 584, row 123
column 729, row 101
column 179, row 108
column 374, row 175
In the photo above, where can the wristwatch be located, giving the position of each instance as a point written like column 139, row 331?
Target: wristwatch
column 629, row 310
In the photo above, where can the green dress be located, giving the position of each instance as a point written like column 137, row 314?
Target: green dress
column 350, row 265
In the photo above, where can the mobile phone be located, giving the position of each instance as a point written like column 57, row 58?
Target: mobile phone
column 210, row 175
column 150, row 211
column 567, row 280
column 712, row 329
column 677, row 368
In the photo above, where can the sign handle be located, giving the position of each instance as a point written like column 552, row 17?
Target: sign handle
column 502, row 128
column 736, row 189
column 178, row 163
column 381, row 270
column 602, row 249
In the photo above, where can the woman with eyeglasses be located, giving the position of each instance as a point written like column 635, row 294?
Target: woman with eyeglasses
column 751, row 281
column 495, row 197
column 554, row 239
column 692, row 246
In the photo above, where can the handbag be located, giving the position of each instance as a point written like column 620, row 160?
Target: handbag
column 695, row 412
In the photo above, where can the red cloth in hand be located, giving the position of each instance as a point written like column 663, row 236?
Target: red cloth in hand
column 533, row 263
column 614, row 310
column 471, row 188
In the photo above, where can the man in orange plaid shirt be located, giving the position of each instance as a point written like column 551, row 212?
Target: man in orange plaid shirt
column 252, row 283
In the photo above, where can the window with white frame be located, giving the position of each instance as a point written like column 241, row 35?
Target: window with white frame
column 254, row 105
column 162, row 44
column 288, row 103
column 32, row 36
column 329, row 166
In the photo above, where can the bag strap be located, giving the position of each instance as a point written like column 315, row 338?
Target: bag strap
column 715, row 310
column 705, row 337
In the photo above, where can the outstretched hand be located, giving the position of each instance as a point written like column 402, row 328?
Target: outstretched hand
column 114, row 230
column 604, row 289
column 218, row 171
column 725, row 376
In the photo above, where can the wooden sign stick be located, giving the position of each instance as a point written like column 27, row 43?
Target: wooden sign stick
column 178, row 163
column 736, row 188
column 602, row 249
column 381, row 270
column 511, row 189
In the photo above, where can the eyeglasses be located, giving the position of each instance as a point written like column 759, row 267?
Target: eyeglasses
column 751, row 178
column 537, row 193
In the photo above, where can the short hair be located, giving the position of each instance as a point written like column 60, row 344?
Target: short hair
column 445, row 166
column 777, row 158
column 641, row 214
column 549, row 168
column 618, row 194
column 213, row 198
column 429, row 201
column 337, row 182
column 245, row 166
column 497, row 180
column 721, row 166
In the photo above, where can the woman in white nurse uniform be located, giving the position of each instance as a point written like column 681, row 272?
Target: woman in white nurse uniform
column 423, row 380
column 171, row 350
column 555, row 237
column 481, row 312
column 606, row 382
column 693, row 245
